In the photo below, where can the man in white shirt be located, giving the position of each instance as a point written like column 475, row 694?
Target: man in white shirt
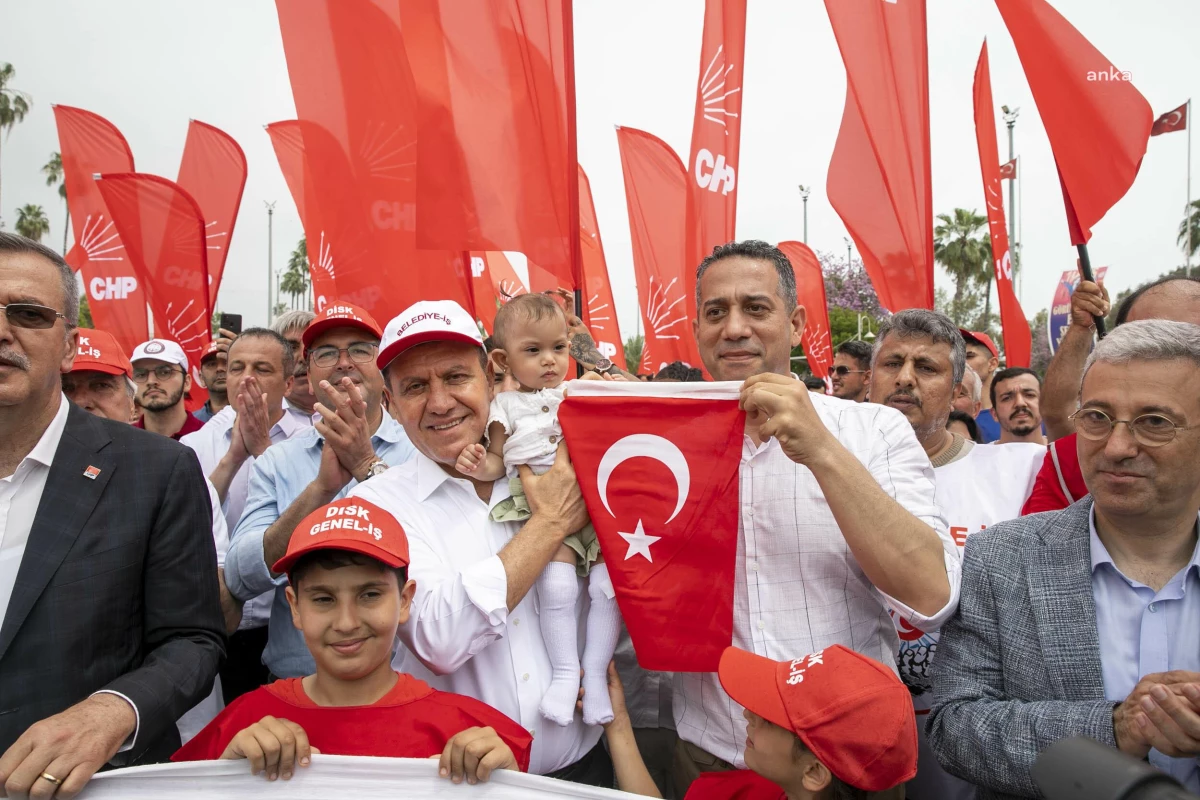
column 838, row 522
column 474, row 629
column 919, row 360
column 259, row 373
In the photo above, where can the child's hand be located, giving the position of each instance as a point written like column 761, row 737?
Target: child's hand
column 474, row 754
column 274, row 745
column 470, row 459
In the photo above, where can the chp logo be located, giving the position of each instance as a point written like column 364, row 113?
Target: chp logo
column 713, row 171
column 119, row 287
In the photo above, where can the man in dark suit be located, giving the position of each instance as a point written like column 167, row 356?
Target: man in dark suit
column 110, row 626
column 1086, row 621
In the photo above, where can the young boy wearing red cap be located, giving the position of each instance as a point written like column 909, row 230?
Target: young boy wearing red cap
column 831, row 725
column 347, row 568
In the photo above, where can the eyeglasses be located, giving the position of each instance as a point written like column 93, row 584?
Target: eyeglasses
column 1150, row 430
column 30, row 315
column 842, row 372
column 359, row 352
column 163, row 372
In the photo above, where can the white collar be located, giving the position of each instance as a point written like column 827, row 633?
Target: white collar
column 43, row 451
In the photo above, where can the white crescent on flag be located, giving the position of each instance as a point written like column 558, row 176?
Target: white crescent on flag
column 649, row 446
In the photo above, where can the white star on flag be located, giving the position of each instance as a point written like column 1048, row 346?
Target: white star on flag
column 639, row 542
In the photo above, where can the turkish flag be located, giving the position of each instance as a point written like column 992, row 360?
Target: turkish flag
column 879, row 178
column 1008, row 170
column 656, row 195
column 1017, row 337
column 163, row 231
column 1097, row 122
column 716, row 137
column 1171, row 121
column 599, row 308
column 658, row 467
column 810, row 291
column 213, row 172
column 90, row 144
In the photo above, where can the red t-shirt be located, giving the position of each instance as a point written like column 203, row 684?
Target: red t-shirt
column 738, row 784
column 1048, row 494
column 413, row 720
column 190, row 425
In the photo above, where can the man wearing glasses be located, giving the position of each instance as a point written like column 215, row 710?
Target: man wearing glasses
column 1086, row 621
column 160, row 370
column 851, row 373
column 354, row 440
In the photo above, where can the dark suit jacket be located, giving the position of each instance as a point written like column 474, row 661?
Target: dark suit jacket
column 117, row 588
column 1018, row 666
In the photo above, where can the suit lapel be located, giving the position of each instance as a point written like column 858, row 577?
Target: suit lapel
column 67, row 502
column 1064, row 608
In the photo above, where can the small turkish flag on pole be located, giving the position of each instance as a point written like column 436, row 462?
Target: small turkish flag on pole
column 1008, row 171
column 658, row 467
column 1171, row 121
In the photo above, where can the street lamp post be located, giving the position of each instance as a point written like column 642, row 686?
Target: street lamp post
column 849, row 251
column 1010, row 119
column 804, row 192
column 270, row 254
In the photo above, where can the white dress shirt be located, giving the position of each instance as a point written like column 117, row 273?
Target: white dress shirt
column 461, row 636
column 211, row 443
column 797, row 586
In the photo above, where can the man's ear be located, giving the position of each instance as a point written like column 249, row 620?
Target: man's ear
column 798, row 320
column 187, row 382
column 294, row 605
column 406, row 597
column 70, row 350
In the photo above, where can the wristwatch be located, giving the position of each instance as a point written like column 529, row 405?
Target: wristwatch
column 378, row 467
column 604, row 365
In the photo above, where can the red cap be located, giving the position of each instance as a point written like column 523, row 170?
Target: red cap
column 340, row 315
column 853, row 713
column 99, row 352
column 349, row 524
column 980, row 338
column 209, row 352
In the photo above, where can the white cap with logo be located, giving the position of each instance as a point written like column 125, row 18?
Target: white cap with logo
column 427, row 321
column 161, row 350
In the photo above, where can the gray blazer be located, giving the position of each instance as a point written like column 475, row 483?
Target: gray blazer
column 1018, row 665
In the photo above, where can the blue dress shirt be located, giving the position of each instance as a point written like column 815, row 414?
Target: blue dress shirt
column 279, row 476
column 1142, row 632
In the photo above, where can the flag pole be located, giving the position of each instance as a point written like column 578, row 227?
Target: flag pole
column 1085, row 272
column 572, row 161
column 1187, row 210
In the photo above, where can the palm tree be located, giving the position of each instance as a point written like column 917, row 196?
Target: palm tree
column 1191, row 222
column 32, row 222
column 53, row 170
column 633, row 352
column 295, row 279
column 14, row 104
column 961, row 251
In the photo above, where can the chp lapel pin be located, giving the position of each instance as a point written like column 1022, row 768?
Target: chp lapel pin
column 91, row 473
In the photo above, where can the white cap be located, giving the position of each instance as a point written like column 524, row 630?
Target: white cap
column 427, row 321
column 161, row 350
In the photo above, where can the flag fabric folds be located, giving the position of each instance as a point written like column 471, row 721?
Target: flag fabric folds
column 716, row 136
column 495, row 161
column 658, row 467
column 213, row 172
column 91, row 144
column 879, row 177
column 810, row 293
column 1171, row 121
column 1097, row 122
column 1018, row 340
column 163, row 231
column 599, row 308
column 656, row 196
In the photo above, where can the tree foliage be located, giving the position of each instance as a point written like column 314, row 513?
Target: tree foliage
column 85, row 312
column 295, row 278
column 633, row 352
column 966, row 255
column 32, row 222
column 1190, row 223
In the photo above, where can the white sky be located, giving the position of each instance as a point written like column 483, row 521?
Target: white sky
column 150, row 65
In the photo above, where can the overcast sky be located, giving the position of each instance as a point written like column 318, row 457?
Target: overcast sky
column 150, row 65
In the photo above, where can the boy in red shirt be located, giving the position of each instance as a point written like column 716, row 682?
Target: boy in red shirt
column 831, row 724
column 347, row 568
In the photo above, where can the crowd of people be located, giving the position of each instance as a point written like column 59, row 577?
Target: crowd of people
column 370, row 540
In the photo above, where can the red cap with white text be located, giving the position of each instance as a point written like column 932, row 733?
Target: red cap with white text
column 853, row 713
column 339, row 315
column 99, row 352
column 348, row 524
column 427, row 321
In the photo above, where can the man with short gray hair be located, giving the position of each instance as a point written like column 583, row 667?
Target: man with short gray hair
column 1086, row 621
column 300, row 399
column 968, row 394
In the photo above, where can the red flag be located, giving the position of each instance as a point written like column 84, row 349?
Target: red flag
column 658, row 467
column 810, row 292
column 213, row 172
column 504, row 278
column 1008, row 170
column 656, row 195
column 1018, row 341
column 716, row 136
column 90, row 144
column 1097, row 122
column 1171, row 121
column 486, row 302
column 163, row 231
column 354, row 92
column 495, row 153
column 879, row 177
column 599, row 309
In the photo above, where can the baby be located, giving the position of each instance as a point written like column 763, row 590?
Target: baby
column 531, row 343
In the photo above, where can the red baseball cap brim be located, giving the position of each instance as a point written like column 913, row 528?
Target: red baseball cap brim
column 366, row 548
column 96, row 366
column 320, row 326
column 980, row 338
column 389, row 353
column 750, row 680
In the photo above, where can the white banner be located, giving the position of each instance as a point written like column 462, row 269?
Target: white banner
column 328, row 777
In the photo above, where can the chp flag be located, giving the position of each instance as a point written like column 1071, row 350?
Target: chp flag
column 658, row 467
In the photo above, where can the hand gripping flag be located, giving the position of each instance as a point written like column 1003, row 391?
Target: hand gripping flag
column 658, row 467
